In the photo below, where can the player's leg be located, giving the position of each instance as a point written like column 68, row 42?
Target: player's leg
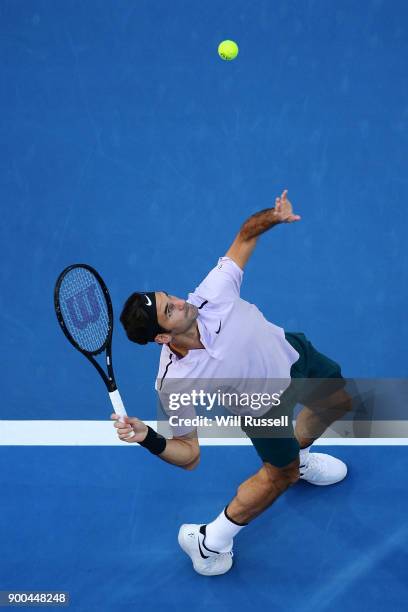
column 279, row 453
column 318, row 415
column 320, row 387
column 210, row 546
column 260, row 491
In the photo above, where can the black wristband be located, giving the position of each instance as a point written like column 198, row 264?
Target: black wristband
column 154, row 442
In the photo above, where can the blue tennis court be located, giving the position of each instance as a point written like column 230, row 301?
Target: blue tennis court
column 102, row 524
column 128, row 144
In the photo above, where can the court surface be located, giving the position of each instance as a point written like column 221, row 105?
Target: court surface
column 128, row 144
column 102, row 524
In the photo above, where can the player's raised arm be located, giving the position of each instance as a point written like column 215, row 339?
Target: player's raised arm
column 243, row 245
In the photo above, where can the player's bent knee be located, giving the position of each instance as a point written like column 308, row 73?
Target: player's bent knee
column 281, row 476
column 341, row 400
column 347, row 401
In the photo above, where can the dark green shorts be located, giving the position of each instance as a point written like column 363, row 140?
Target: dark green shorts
column 314, row 376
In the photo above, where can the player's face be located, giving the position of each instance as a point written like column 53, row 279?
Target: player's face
column 173, row 313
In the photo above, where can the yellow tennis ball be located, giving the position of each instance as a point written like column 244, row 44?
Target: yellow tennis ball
column 228, row 50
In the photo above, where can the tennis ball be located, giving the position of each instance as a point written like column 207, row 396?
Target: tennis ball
column 228, row 50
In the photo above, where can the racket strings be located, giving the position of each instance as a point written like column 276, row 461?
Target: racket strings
column 84, row 309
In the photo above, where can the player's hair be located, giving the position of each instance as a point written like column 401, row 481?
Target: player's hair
column 135, row 319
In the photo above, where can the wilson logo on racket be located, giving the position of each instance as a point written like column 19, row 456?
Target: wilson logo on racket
column 83, row 307
column 84, row 310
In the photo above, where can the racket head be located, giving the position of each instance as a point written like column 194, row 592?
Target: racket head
column 84, row 309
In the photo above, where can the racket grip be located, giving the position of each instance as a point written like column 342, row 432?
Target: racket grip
column 117, row 403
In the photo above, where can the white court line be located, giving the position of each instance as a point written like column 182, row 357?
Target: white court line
column 102, row 433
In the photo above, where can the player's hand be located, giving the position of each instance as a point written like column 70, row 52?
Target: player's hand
column 129, row 429
column 283, row 211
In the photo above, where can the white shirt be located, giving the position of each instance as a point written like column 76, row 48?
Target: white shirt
column 240, row 344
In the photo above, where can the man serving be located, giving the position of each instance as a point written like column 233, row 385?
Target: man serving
column 214, row 334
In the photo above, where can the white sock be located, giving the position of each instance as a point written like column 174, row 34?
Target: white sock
column 304, row 455
column 220, row 533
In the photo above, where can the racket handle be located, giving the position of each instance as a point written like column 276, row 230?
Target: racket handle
column 117, row 403
column 119, row 408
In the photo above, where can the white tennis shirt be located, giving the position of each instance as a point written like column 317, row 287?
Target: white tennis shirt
column 239, row 342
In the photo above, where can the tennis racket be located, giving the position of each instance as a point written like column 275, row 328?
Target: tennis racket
column 84, row 311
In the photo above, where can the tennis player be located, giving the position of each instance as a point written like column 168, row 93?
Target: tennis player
column 216, row 334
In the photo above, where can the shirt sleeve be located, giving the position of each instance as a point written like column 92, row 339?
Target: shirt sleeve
column 222, row 283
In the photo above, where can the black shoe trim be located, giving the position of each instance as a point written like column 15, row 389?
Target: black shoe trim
column 203, row 533
column 201, row 552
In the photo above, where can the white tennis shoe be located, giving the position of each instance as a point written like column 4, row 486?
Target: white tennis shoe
column 321, row 469
column 205, row 562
